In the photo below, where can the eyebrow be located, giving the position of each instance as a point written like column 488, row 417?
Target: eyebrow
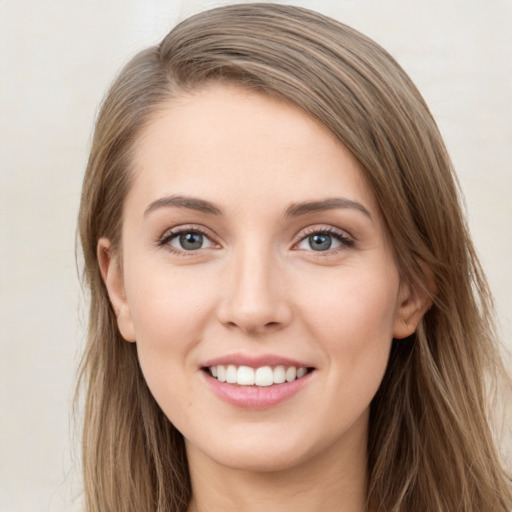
column 191, row 203
column 294, row 210
column 305, row 207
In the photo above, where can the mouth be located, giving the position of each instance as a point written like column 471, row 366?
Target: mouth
column 257, row 381
column 262, row 376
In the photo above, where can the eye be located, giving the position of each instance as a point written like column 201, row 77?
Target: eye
column 322, row 240
column 187, row 240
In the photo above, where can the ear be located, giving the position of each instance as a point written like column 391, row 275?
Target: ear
column 112, row 274
column 414, row 301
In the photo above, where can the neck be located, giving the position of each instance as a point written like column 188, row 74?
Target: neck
column 331, row 480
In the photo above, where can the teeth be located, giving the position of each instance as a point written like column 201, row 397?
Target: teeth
column 221, row 373
column 231, row 374
column 279, row 375
column 263, row 376
column 245, row 376
column 291, row 373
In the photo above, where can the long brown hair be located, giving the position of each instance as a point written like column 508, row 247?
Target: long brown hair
column 430, row 445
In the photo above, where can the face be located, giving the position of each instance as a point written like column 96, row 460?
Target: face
column 254, row 252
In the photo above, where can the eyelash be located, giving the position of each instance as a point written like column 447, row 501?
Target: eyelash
column 166, row 238
column 345, row 240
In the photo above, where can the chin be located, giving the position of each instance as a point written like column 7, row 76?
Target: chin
column 255, row 452
column 258, row 461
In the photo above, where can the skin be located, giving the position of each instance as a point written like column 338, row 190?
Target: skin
column 256, row 286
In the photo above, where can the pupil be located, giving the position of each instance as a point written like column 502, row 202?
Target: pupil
column 191, row 241
column 320, row 242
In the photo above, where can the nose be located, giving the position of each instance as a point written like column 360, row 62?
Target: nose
column 254, row 298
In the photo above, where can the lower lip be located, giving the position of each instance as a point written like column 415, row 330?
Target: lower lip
column 256, row 397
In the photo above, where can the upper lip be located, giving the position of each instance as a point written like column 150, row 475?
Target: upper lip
column 255, row 361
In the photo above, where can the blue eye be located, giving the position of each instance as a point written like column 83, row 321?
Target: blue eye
column 187, row 240
column 320, row 242
column 324, row 240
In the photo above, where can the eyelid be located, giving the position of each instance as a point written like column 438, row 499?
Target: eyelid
column 343, row 236
column 170, row 233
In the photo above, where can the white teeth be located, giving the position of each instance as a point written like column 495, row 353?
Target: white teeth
column 221, row 373
column 245, row 376
column 291, row 374
column 263, row 376
column 231, row 374
column 279, row 375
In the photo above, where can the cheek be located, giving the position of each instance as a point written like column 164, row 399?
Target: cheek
column 352, row 318
column 166, row 322
column 168, row 311
column 168, row 307
column 353, row 305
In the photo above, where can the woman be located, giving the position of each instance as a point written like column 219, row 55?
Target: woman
column 286, row 308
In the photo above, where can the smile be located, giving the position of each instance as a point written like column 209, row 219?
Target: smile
column 256, row 381
column 263, row 376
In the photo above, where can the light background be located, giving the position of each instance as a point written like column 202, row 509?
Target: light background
column 57, row 58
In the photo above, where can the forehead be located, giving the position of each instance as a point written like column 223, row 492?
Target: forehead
column 229, row 144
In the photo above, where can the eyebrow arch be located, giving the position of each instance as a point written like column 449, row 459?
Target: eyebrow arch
column 294, row 210
column 297, row 209
column 183, row 202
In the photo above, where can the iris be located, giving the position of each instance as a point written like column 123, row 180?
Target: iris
column 191, row 241
column 320, row 242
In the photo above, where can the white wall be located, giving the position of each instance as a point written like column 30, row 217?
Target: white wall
column 56, row 60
